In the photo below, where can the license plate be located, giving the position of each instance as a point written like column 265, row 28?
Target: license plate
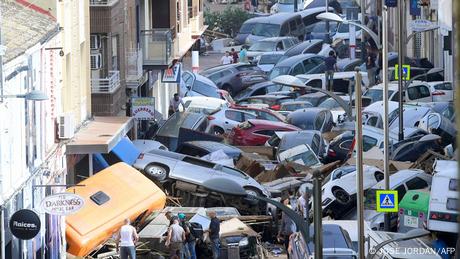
column 410, row 221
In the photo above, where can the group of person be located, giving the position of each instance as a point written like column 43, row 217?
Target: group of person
column 287, row 228
column 233, row 56
column 181, row 239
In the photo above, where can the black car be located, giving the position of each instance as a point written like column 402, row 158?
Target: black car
column 315, row 98
column 262, row 88
column 312, row 119
column 202, row 148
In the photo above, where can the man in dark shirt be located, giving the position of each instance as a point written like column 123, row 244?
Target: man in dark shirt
column 234, row 55
column 214, row 229
column 331, row 67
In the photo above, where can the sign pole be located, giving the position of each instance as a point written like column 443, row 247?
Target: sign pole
column 401, row 55
column 359, row 164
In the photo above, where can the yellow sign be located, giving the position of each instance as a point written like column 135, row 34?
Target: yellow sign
column 387, row 201
column 405, row 71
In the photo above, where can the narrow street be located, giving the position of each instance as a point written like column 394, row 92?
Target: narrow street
column 132, row 130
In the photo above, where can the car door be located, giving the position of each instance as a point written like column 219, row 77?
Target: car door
column 297, row 70
column 234, row 117
column 419, row 93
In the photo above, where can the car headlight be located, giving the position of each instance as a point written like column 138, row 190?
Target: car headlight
column 243, row 242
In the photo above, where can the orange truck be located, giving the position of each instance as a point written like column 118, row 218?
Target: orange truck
column 112, row 195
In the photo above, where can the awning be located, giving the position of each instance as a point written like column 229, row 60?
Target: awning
column 99, row 135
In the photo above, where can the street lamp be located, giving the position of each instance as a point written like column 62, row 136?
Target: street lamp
column 332, row 17
column 34, row 95
column 230, row 187
column 412, row 234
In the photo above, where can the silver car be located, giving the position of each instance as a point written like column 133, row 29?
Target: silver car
column 165, row 166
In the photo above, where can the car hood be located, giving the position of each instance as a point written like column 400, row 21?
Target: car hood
column 266, row 68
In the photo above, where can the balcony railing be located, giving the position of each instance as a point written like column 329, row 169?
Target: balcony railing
column 106, row 85
column 157, row 47
column 134, row 72
column 102, row 2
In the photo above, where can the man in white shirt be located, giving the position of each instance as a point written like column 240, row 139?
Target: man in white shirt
column 126, row 239
column 302, row 205
column 175, row 239
column 226, row 59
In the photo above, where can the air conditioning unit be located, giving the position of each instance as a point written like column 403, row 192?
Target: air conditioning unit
column 95, row 41
column 96, row 61
column 66, row 126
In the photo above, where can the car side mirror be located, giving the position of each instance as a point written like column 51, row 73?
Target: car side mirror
column 189, row 87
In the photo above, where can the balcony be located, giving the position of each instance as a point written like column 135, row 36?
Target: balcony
column 196, row 22
column 157, row 47
column 134, row 70
column 102, row 2
column 106, row 85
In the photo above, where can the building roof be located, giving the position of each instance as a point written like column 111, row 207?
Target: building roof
column 24, row 25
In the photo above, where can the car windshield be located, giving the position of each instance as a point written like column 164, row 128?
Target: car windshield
column 329, row 104
column 376, row 94
column 263, row 46
column 246, row 28
column 266, row 30
column 286, row 1
column 172, row 125
column 295, row 106
column 269, row 59
column 278, row 71
column 307, row 158
column 205, row 89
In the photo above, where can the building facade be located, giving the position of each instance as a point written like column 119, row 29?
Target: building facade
column 46, row 51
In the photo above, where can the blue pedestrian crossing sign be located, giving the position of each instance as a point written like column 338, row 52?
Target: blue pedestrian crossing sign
column 387, row 201
column 405, row 71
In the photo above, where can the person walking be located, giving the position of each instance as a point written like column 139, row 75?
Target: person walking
column 126, row 241
column 175, row 239
column 287, row 227
column 234, row 56
column 302, row 205
column 331, row 67
column 190, row 239
column 214, row 229
column 174, row 104
column 243, row 55
column 370, row 67
column 226, row 59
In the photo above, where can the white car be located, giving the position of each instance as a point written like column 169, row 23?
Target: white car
column 441, row 91
column 202, row 104
column 339, row 189
column 225, row 119
column 417, row 91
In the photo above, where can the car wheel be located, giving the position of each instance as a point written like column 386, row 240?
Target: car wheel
column 228, row 88
column 218, row 131
column 379, row 176
column 342, row 196
column 252, row 192
column 156, row 171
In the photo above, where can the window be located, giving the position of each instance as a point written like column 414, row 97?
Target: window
column 187, row 78
column 401, row 191
column 293, row 25
column 266, row 116
column 368, row 143
column 316, row 83
column 314, row 49
column 416, row 183
column 395, row 97
column 248, row 116
column 453, row 183
column 315, row 143
column 268, row 133
column 452, row 204
column 346, row 144
column 298, row 69
column 444, row 86
column 234, row 115
column 319, row 121
column 284, row 30
column 418, row 92
column 205, row 89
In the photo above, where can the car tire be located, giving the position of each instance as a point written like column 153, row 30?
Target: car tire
column 228, row 88
column 341, row 195
column 156, row 171
column 218, row 131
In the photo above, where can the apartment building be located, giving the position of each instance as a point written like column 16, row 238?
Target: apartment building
column 116, row 59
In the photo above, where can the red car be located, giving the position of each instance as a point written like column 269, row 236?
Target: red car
column 262, row 113
column 257, row 132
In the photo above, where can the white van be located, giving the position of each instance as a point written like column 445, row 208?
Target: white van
column 443, row 208
column 341, row 80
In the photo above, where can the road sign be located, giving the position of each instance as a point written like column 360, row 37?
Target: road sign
column 405, row 71
column 387, row 201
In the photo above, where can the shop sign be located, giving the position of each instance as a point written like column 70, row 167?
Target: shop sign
column 62, row 204
column 143, row 108
column 25, row 224
column 172, row 74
